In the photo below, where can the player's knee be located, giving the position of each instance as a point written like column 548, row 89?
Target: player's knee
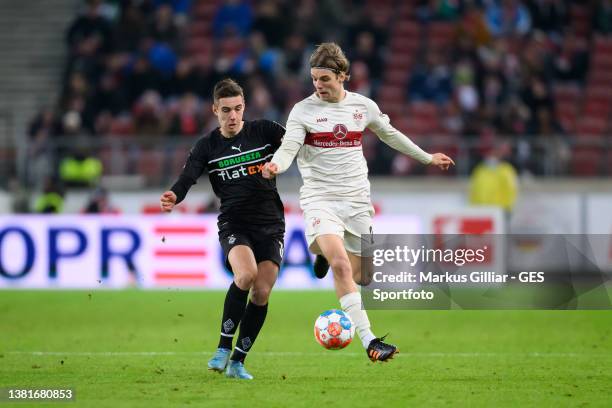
column 341, row 268
column 245, row 278
column 260, row 294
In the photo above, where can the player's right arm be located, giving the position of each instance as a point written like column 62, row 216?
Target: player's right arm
column 292, row 142
column 192, row 170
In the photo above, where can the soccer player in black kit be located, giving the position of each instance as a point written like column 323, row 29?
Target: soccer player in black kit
column 251, row 224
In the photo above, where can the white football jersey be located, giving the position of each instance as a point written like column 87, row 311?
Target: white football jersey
column 330, row 158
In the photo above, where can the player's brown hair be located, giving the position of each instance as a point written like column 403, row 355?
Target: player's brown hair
column 227, row 88
column 330, row 56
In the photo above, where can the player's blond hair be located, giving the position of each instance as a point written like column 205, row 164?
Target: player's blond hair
column 330, row 56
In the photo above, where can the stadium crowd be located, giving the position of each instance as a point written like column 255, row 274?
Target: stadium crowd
column 146, row 68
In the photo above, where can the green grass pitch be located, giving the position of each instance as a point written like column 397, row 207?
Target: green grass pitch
column 149, row 349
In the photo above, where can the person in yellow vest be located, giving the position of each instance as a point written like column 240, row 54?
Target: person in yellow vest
column 494, row 181
column 51, row 201
column 80, row 170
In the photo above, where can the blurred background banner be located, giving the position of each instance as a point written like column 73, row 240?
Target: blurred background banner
column 169, row 251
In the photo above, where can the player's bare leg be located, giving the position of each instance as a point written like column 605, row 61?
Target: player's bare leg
column 333, row 250
column 242, row 261
column 377, row 349
column 342, row 265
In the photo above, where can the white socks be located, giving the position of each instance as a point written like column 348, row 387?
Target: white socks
column 351, row 304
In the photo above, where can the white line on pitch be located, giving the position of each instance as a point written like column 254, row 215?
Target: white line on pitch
column 297, row 354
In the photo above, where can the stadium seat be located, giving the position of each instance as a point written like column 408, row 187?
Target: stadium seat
column 586, row 161
column 591, row 126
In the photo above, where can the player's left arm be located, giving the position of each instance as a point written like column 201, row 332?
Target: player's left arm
column 380, row 124
column 292, row 142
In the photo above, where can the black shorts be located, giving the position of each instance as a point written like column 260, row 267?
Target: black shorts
column 265, row 247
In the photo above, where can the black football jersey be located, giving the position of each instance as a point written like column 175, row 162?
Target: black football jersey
column 234, row 168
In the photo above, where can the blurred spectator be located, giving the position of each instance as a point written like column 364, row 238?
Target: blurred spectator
column 437, row 10
column 187, row 120
column 256, row 58
column 494, row 182
column 149, row 118
column 295, row 54
column 109, row 96
column 20, row 197
column 81, row 169
column 367, row 53
column 572, row 60
column 464, row 85
column 473, row 27
column 360, row 79
column 141, row 78
column 90, row 33
column 130, row 29
column 104, row 124
column 43, row 126
column 260, row 103
column 537, row 95
column 430, row 80
column 41, row 152
column 543, row 123
column 163, row 28
column 190, row 77
column 99, row 203
column 508, row 17
column 163, row 59
column 550, row 16
column 271, row 20
column 233, row 16
column 308, row 22
column 51, row 201
column 602, row 18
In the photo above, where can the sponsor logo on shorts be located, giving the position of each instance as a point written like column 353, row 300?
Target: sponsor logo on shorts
column 231, row 239
column 315, row 221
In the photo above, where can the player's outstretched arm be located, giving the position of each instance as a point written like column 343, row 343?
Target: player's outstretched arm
column 167, row 201
column 442, row 161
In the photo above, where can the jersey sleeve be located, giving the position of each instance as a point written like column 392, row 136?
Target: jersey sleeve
column 380, row 124
column 192, row 170
column 273, row 133
column 292, row 142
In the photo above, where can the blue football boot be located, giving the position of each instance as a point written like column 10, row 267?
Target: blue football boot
column 218, row 362
column 235, row 369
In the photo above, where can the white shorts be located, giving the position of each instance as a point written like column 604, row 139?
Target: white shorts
column 347, row 220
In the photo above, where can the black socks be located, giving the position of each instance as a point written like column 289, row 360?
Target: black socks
column 233, row 312
column 252, row 321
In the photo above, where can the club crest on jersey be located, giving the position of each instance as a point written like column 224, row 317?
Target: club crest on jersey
column 340, row 131
column 357, row 116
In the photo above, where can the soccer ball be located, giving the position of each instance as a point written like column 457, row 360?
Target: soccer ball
column 334, row 329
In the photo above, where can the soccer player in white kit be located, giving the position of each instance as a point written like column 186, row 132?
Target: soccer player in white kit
column 325, row 131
